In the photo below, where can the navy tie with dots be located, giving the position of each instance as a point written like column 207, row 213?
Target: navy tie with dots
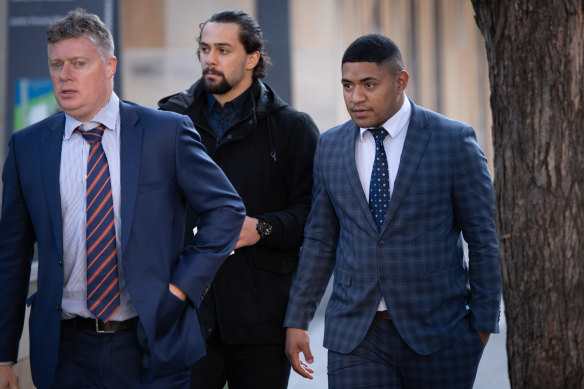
column 379, row 186
column 103, row 295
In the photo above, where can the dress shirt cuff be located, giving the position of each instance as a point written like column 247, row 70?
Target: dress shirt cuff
column 6, row 363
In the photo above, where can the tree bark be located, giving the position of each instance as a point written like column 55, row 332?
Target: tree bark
column 535, row 50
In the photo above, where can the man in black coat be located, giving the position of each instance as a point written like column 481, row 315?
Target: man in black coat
column 266, row 149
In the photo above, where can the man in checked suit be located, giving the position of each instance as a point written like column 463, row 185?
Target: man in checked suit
column 405, row 311
column 145, row 333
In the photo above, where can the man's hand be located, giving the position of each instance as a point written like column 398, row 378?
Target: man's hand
column 177, row 292
column 484, row 337
column 297, row 340
column 249, row 234
column 8, row 379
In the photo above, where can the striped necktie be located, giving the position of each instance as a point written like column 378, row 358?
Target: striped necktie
column 103, row 294
column 379, row 186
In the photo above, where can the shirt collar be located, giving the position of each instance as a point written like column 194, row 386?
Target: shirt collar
column 108, row 116
column 397, row 123
column 211, row 101
column 237, row 104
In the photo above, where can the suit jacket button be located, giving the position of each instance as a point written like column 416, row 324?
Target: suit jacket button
column 61, row 262
column 58, row 308
column 381, row 243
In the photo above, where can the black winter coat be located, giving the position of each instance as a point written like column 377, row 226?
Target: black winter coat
column 268, row 158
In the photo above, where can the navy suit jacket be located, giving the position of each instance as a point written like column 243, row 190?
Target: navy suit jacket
column 415, row 262
column 163, row 166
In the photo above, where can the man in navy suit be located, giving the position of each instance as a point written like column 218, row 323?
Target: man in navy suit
column 152, row 165
column 395, row 190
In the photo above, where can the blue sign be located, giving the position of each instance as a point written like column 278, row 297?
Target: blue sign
column 30, row 93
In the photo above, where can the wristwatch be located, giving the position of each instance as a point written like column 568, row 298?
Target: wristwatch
column 264, row 228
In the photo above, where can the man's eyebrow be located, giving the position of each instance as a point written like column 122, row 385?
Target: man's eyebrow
column 68, row 59
column 370, row 78
column 216, row 44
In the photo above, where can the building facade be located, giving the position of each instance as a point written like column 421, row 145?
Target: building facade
column 442, row 48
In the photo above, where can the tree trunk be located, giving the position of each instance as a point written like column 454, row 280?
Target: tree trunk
column 535, row 50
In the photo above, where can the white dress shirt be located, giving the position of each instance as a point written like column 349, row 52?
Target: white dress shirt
column 397, row 127
column 72, row 185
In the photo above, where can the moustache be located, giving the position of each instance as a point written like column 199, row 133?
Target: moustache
column 212, row 71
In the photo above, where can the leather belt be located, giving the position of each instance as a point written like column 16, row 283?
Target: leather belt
column 383, row 315
column 100, row 327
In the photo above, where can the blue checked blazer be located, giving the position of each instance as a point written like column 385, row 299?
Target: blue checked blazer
column 442, row 189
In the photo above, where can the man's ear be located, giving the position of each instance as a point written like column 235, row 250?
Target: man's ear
column 252, row 60
column 111, row 65
column 402, row 78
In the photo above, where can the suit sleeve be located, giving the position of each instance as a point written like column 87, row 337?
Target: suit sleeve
column 474, row 209
column 16, row 250
column 288, row 224
column 317, row 255
column 219, row 209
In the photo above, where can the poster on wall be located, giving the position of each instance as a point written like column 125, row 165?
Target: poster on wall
column 30, row 93
column 33, row 101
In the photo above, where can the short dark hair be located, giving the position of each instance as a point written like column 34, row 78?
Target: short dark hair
column 373, row 48
column 250, row 36
column 79, row 23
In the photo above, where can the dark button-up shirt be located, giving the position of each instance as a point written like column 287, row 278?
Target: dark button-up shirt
column 222, row 118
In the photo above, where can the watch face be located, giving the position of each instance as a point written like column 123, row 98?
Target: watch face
column 264, row 228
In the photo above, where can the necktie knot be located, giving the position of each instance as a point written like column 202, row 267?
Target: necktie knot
column 379, row 134
column 92, row 136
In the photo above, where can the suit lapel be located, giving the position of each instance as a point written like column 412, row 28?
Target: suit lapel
column 350, row 166
column 50, row 153
column 130, row 151
column 414, row 146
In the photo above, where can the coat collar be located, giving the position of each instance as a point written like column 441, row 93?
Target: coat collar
column 193, row 102
column 414, row 147
column 50, row 155
column 350, row 167
column 130, row 152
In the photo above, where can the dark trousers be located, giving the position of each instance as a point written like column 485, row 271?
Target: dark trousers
column 241, row 366
column 383, row 360
column 105, row 361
